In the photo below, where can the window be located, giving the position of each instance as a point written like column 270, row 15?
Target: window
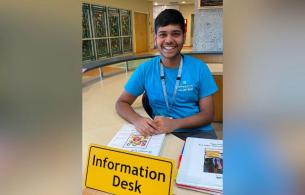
column 106, row 32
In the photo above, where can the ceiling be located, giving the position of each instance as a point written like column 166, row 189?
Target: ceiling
column 172, row 2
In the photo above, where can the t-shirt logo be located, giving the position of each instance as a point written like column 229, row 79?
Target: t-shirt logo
column 185, row 87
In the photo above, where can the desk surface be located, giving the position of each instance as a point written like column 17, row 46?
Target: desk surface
column 100, row 122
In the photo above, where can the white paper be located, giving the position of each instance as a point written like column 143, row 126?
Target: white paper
column 192, row 171
column 128, row 138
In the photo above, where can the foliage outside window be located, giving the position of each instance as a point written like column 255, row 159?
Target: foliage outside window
column 106, row 32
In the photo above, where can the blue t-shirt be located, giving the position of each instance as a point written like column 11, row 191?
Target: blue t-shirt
column 196, row 83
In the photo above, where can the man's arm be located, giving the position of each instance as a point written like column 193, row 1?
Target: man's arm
column 123, row 107
column 204, row 117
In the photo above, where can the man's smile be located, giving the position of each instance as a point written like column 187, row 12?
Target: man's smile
column 169, row 48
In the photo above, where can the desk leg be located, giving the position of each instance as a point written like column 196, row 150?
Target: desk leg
column 127, row 69
column 101, row 73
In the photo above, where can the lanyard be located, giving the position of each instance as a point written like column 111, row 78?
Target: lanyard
column 178, row 78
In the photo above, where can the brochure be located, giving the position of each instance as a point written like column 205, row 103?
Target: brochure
column 128, row 138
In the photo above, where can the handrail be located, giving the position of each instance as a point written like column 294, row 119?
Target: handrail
column 87, row 66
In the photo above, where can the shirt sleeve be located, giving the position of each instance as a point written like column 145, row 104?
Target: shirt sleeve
column 135, row 84
column 207, row 83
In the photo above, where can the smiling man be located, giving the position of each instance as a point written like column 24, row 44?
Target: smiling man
column 177, row 88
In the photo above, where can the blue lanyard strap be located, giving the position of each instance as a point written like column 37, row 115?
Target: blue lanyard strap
column 178, row 78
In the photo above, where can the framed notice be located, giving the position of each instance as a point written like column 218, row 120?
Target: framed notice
column 206, row 4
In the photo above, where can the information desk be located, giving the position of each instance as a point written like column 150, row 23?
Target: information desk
column 101, row 122
column 171, row 149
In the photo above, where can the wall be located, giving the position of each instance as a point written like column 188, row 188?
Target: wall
column 187, row 11
column 133, row 5
column 158, row 9
column 208, row 29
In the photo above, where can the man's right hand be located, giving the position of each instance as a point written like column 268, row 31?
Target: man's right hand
column 146, row 126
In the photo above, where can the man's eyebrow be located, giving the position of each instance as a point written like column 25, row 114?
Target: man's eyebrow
column 177, row 31
column 174, row 31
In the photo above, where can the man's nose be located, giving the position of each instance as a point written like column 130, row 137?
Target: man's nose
column 169, row 39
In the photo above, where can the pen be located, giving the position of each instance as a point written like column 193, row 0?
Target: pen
column 180, row 156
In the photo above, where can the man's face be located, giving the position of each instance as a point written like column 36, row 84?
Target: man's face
column 169, row 40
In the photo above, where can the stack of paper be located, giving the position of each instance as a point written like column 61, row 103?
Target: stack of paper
column 201, row 167
column 128, row 138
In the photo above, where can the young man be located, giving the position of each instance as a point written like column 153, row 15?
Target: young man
column 178, row 87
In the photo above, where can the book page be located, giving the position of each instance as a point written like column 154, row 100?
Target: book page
column 128, row 138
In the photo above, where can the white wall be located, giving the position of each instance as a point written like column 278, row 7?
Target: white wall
column 158, row 9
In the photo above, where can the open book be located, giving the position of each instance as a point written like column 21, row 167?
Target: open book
column 128, row 138
column 201, row 166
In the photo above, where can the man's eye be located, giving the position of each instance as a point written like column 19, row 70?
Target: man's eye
column 162, row 35
column 176, row 34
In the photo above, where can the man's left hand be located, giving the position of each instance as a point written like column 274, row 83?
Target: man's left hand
column 164, row 124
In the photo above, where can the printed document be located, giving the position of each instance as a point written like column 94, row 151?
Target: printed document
column 128, row 138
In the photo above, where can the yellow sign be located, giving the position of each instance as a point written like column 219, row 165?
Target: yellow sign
column 122, row 172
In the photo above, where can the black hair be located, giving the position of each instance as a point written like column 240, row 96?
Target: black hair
column 167, row 17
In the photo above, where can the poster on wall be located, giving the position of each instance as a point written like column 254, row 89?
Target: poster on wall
column 207, row 4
